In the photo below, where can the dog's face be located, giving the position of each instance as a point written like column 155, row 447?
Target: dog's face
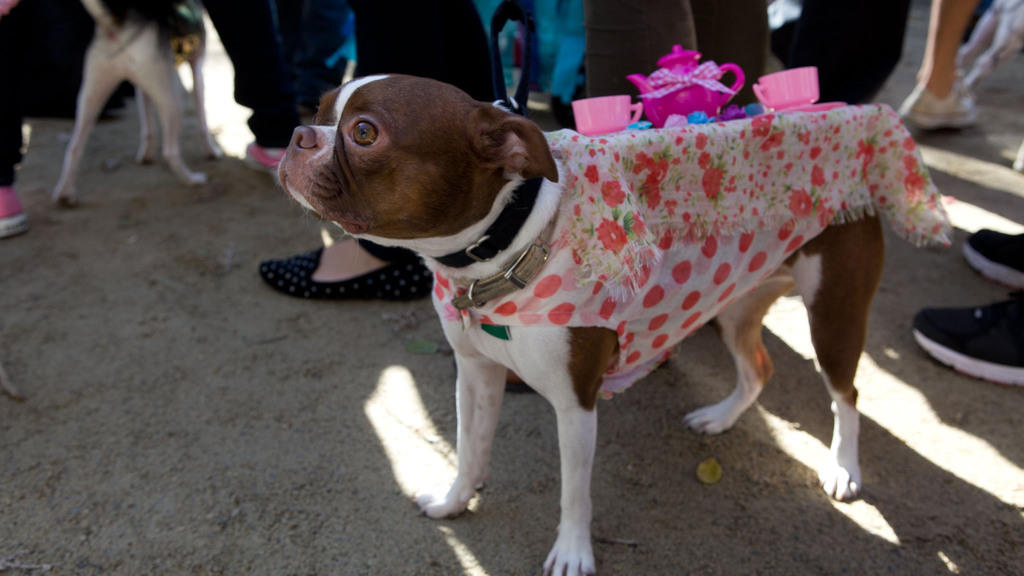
column 404, row 157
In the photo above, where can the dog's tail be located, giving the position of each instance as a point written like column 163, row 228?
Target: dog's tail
column 179, row 21
column 160, row 11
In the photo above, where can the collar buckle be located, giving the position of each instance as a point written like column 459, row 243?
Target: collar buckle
column 515, row 277
column 469, row 251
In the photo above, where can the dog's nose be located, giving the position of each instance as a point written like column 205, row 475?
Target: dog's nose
column 304, row 137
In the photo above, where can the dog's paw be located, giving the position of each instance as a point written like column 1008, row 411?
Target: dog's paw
column 713, row 419
column 572, row 555
column 64, row 198
column 195, row 179
column 444, row 506
column 144, row 157
column 213, row 151
column 839, row 482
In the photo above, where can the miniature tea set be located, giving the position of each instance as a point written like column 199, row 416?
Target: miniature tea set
column 684, row 90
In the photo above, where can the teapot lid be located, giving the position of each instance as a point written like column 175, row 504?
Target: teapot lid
column 678, row 56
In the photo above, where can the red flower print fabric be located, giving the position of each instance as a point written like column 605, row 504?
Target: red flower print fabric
column 658, row 230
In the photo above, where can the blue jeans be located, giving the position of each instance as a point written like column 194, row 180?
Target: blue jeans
column 312, row 33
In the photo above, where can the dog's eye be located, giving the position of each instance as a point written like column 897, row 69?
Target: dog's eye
column 364, row 133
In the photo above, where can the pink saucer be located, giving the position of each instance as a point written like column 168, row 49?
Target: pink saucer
column 819, row 107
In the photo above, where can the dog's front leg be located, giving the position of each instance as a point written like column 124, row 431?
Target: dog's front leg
column 479, row 388
column 572, row 554
column 840, row 476
column 163, row 89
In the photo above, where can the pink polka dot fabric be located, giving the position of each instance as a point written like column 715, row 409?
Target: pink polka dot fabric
column 659, row 230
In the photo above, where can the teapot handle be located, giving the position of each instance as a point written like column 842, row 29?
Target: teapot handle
column 760, row 93
column 738, row 72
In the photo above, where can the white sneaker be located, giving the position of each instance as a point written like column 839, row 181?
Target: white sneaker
column 929, row 112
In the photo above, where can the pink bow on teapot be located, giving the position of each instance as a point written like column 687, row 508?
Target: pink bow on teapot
column 664, row 81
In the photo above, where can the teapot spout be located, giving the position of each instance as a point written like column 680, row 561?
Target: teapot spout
column 640, row 81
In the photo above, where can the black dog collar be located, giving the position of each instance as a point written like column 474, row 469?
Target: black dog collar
column 500, row 234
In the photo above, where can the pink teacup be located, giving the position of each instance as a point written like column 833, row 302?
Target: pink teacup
column 789, row 88
column 605, row 114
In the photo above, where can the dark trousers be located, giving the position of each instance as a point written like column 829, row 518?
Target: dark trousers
column 625, row 37
column 11, row 73
column 262, row 80
column 440, row 39
column 312, row 31
column 855, row 45
column 42, row 44
column 734, row 31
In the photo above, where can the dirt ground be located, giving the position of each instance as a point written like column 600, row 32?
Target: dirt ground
column 182, row 418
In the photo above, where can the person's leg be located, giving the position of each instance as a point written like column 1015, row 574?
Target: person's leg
column 262, row 80
column 949, row 20
column 12, row 216
column 733, row 31
column 10, row 102
column 441, row 39
column 323, row 23
column 289, row 15
column 465, row 50
column 629, row 37
column 830, row 35
column 940, row 100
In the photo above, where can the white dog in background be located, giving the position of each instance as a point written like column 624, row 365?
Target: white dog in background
column 997, row 38
column 130, row 44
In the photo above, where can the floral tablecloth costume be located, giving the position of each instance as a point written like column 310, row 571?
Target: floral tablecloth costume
column 658, row 230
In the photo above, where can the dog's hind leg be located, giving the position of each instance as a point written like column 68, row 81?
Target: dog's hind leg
column 147, row 135
column 479, row 388
column 213, row 151
column 164, row 90
column 739, row 325
column 837, row 274
column 98, row 82
column 1018, row 164
column 1005, row 47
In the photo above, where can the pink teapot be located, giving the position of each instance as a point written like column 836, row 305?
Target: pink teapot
column 681, row 86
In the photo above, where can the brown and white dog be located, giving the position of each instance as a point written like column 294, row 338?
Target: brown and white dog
column 416, row 163
column 130, row 44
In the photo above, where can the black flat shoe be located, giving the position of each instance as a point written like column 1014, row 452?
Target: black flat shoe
column 294, row 277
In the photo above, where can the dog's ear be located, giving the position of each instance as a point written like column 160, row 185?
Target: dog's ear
column 511, row 141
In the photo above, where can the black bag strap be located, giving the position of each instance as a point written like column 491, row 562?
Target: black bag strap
column 511, row 11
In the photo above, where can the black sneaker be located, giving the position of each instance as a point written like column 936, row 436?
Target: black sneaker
column 985, row 342
column 997, row 256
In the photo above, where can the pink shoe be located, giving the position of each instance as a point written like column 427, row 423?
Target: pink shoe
column 12, row 217
column 264, row 159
